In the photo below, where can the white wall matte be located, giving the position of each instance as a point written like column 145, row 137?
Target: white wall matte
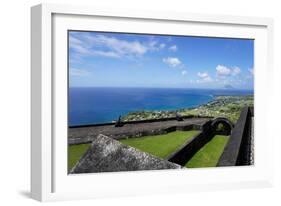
column 15, row 102
column 158, row 181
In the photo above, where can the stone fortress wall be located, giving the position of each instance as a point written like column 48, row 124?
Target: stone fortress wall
column 86, row 134
column 238, row 151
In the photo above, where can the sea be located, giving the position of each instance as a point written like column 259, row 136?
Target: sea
column 95, row 105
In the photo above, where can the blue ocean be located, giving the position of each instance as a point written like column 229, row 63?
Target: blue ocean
column 100, row 105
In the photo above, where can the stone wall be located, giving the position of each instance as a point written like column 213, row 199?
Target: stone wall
column 142, row 121
column 82, row 135
column 186, row 152
column 238, row 150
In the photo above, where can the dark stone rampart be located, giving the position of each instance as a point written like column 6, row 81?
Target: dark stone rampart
column 186, row 152
column 81, row 135
column 237, row 151
column 141, row 121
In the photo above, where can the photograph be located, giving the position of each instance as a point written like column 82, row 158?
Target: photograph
column 141, row 102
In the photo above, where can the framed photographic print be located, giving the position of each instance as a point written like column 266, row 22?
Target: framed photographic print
column 133, row 102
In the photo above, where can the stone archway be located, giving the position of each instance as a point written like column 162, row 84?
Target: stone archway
column 222, row 125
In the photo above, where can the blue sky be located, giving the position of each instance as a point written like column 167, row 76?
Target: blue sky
column 98, row 59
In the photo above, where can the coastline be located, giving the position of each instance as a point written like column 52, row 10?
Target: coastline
column 104, row 105
column 220, row 106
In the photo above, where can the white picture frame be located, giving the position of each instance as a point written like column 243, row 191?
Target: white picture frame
column 49, row 178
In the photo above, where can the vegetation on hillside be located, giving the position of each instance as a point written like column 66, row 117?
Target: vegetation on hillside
column 222, row 106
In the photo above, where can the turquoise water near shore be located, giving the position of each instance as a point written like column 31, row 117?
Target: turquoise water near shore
column 100, row 105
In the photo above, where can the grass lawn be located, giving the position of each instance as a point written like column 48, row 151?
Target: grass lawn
column 75, row 152
column 160, row 145
column 208, row 156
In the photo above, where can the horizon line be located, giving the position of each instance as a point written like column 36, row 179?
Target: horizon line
column 159, row 87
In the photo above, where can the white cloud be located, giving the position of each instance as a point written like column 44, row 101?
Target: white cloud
column 236, row 71
column 204, row 77
column 105, row 54
column 107, row 46
column 162, row 46
column 121, row 47
column 172, row 61
column 223, row 71
column 205, row 80
column 84, row 48
column 203, row 74
column 184, row 72
column 208, row 79
column 173, row 48
column 251, row 70
column 77, row 45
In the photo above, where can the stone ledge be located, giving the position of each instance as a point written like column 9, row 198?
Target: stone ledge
column 83, row 135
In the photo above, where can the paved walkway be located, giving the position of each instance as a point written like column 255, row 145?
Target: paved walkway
column 87, row 134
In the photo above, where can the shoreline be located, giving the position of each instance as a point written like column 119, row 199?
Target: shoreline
column 218, row 106
column 227, row 106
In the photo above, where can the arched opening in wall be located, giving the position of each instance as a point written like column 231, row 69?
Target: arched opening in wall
column 222, row 126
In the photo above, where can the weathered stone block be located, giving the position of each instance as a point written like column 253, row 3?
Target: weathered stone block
column 109, row 155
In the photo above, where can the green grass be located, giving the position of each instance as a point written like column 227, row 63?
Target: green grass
column 208, row 156
column 160, row 145
column 75, row 152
